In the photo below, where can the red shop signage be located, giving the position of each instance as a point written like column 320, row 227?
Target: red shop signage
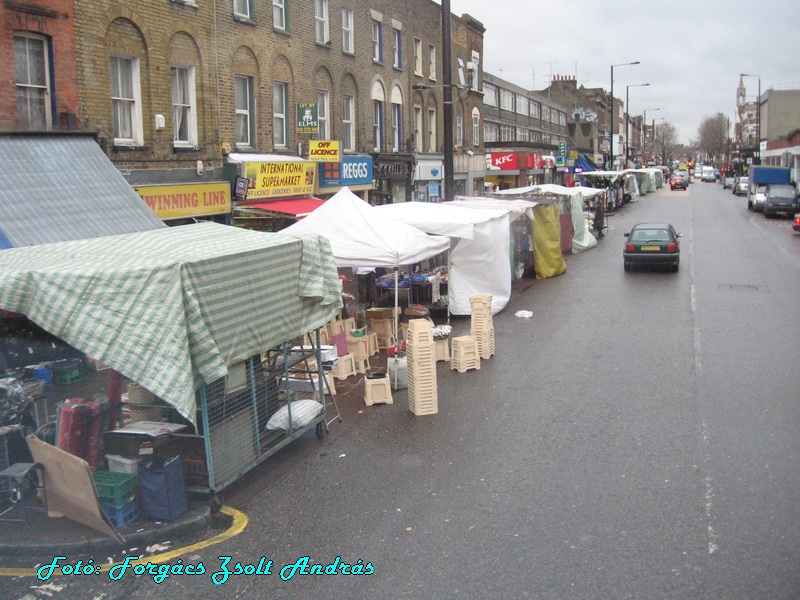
column 506, row 161
column 534, row 161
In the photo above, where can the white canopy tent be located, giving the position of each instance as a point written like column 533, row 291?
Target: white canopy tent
column 360, row 236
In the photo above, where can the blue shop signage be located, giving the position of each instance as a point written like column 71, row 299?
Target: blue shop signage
column 353, row 170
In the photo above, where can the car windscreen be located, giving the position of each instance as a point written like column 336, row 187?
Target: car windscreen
column 650, row 235
column 781, row 193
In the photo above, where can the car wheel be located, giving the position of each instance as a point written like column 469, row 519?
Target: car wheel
column 675, row 267
column 627, row 267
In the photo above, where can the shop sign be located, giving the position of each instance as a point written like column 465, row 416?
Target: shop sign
column 182, row 200
column 307, row 117
column 352, row 170
column 324, row 150
column 549, row 161
column 506, row 161
column 534, row 161
column 266, row 180
column 387, row 169
column 429, row 170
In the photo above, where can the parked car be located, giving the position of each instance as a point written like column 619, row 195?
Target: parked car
column 678, row 182
column 740, row 188
column 756, row 201
column 796, row 223
column 780, row 200
column 728, row 181
column 652, row 244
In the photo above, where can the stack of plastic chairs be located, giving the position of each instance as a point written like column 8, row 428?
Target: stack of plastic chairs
column 481, row 325
column 423, row 392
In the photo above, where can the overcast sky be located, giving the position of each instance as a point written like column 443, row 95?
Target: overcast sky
column 691, row 52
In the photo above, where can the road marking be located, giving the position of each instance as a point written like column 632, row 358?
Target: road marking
column 709, row 495
column 238, row 525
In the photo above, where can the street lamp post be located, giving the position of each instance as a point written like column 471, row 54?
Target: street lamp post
column 627, row 114
column 447, row 105
column 611, row 116
column 644, row 130
column 758, row 115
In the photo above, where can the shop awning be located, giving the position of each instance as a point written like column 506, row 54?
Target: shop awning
column 298, row 207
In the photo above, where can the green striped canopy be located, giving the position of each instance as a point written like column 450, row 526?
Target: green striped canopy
column 172, row 308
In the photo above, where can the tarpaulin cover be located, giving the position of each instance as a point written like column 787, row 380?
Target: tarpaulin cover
column 300, row 207
column 172, row 308
column 361, row 237
column 546, row 228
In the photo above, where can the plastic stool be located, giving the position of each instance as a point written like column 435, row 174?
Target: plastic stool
column 377, row 391
column 441, row 350
column 372, row 343
column 345, row 366
column 465, row 354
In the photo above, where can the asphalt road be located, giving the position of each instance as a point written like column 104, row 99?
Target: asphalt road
column 638, row 437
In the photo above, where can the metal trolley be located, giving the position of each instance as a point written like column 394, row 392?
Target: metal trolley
column 264, row 403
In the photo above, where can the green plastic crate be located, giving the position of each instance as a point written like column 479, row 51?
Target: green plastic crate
column 115, row 489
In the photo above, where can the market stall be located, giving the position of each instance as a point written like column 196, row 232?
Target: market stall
column 361, row 237
column 188, row 313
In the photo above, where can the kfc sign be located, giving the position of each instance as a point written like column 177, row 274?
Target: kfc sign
column 504, row 162
column 534, row 161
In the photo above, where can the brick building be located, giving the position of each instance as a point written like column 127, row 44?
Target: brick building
column 171, row 86
column 38, row 70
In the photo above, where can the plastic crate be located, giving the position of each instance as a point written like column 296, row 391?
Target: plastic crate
column 114, row 488
column 122, row 515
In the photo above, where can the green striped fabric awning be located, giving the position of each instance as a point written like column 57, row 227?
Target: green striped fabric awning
column 172, row 308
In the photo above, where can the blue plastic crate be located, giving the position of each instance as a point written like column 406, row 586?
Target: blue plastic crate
column 123, row 515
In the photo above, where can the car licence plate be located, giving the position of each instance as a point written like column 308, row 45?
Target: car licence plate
column 651, row 248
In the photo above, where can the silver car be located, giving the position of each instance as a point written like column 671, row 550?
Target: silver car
column 740, row 187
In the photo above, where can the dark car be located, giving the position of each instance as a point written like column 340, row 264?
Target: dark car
column 796, row 223
column 652, row 244
column 780, row 200
column 677, row 182
column 728, row 181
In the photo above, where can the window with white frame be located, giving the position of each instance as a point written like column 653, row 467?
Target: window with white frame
column 184, row 114
column 245, row 119
column 348, row 41
column 417, row 128
column 523, row 105
column 280, row 118
column 522, row 134
column 489, row 94
column 126, row 105
column 279, row 14
column 323, row 121
column 321, row 25
column 459, row 131
column 377, row 41
column 417, row 56
column 431, row 62
column 536, row 110
column 506, row 133
column 397, row 127
column 507, row 100
column 32, row 67
column 243, row 8
column 431, row 129
column 490, row 132
column 476, row 127
column 397, row 48
column 348, row 123
column 377, row 125
column 546, row 114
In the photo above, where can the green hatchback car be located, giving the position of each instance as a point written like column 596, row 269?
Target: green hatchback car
column 652, row 244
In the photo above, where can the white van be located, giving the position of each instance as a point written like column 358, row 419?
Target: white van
column 708, row 174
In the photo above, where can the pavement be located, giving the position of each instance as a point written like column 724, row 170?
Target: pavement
column 43, row 537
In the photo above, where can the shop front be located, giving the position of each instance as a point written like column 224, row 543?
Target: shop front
column 428, row 180
column 502, row 171
column 272, row 191
column 181, row 203
column 392, row 178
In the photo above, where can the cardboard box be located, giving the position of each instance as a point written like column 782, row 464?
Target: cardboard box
column 382, row 313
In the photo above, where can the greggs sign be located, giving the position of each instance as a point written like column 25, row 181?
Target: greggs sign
column 505, row 162
column 324, row 151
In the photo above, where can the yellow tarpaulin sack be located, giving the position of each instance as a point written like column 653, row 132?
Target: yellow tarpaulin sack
column 546, row 229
